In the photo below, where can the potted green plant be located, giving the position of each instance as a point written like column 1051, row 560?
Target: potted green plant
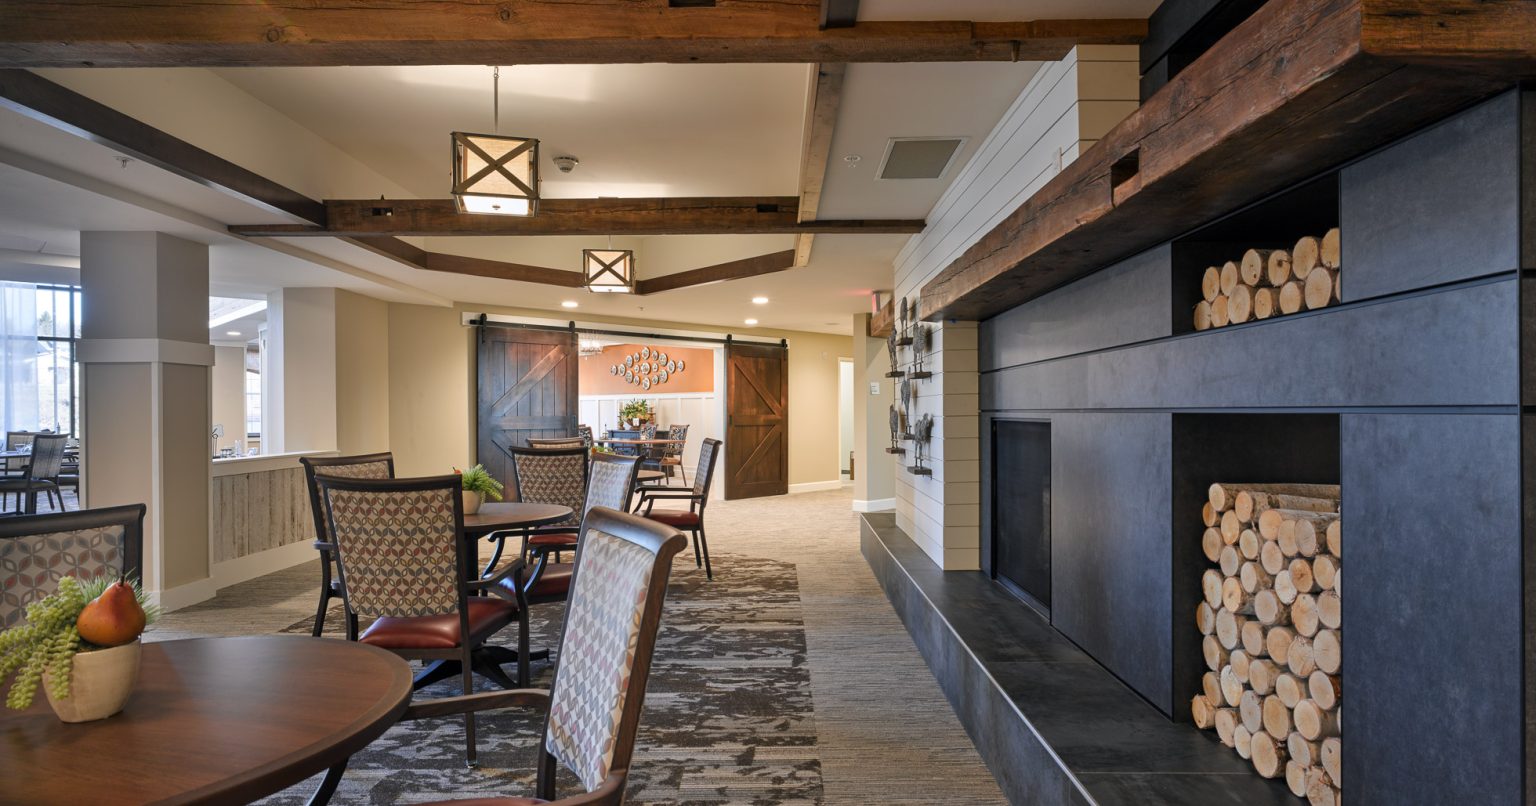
column 478, row 486
column 81, row 643
column 635, row 413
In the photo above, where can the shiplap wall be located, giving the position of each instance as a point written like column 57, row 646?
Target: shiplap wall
column 1066, row 108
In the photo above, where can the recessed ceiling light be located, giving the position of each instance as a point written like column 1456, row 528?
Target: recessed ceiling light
column 759, row 300
column 751, row 321
column 231, row 332
column 570, row 303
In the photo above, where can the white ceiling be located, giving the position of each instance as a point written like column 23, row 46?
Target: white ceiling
column 639, row 130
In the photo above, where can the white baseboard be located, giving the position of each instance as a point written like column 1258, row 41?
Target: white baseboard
column 185, row 595
column 877, row 505
column 244, row 569
column 815, row 486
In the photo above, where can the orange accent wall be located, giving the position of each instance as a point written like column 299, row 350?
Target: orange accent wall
column 698, row 374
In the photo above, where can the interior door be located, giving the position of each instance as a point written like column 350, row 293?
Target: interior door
column 757, row 420
column 527, row 388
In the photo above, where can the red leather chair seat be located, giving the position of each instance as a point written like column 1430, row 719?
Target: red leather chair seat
column 678, row 518
column 556, row 539
column 555, row 581
column 486, row 616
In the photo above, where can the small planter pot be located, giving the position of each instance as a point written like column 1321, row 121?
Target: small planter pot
column 472, row 501
column 101, row 683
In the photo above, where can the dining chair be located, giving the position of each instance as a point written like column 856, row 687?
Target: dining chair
column 40, row 474
column 585, row 432
column 38, row 550
column 672, row 453
column 592, row 708
column 690, row 520
column 363, row 466
column 403, row 561
column 557, row 442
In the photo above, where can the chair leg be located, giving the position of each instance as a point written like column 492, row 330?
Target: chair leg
column 684, row 472
column 523, row 648
column 544, row 786
column 491, row 670
column 698, row 559
column 471, row 759
column 709, row 573
column 325, row 598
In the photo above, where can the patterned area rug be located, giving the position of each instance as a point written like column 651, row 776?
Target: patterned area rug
column 728, row 715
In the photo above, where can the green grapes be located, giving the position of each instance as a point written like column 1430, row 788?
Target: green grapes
column 46, row 642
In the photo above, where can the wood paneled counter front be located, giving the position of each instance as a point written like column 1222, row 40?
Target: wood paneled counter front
column 259, row 518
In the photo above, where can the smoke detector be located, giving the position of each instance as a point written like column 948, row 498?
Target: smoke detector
column 566, row 164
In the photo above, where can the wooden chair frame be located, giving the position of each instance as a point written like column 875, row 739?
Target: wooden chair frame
column 330, row 588
column 697, row 501
column 662, row 541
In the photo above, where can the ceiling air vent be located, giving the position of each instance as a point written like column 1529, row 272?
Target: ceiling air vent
column 919, row 157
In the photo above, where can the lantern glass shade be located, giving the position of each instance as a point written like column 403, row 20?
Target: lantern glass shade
column 495, row 175
column 609, row 270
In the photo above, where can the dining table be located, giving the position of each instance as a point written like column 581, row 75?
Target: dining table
column 620, row 441
column 212, row 720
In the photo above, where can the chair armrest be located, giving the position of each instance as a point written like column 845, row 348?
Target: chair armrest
column 469, row 703
column 676, row 496
column 321, row 545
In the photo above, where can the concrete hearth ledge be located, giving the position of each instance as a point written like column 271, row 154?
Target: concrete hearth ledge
column 1052, row 725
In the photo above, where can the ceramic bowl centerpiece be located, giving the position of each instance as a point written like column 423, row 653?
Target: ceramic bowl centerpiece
column 81, row 643
column 478, row 486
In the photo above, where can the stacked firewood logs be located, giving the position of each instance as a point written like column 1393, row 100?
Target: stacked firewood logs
column 1271, row 282
column 1271, row 619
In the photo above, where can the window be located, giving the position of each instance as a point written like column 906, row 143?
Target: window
column 58, row 372
column 253, row 393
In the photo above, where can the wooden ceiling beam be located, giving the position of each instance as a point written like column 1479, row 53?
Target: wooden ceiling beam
column 745, row 215
column 1299, row 87
column 243, row 33
column 719, row 273
column 824, row 97
column 419, row 258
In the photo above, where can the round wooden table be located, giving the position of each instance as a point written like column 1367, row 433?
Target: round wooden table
column 512, row 515
column 212, row 720
column 649, row 475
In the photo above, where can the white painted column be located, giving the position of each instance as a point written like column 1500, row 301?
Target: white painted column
column 300, row 380
column 874, row 485
column 147, row 426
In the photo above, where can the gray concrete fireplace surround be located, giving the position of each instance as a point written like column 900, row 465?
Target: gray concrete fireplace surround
column 1409, row 394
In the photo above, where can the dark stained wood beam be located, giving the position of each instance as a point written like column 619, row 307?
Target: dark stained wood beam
column 880, row 323
column 66, row 110
column 419, row 258
column 719, row 273
column 839, row 13
column 235, row 33
column 1288, row 94
column 748, row 215
column 824, row 97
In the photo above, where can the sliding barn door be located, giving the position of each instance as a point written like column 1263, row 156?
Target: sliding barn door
column 757, row 420
column 527, row 387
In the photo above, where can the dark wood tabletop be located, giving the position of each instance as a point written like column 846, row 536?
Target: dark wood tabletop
column 212, row 720
column 616, row 441
column 513, row 515
column 649, row 475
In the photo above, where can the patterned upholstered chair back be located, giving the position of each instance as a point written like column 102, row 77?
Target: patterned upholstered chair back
column 705, row 473
column 366, row 466
column 399, row 543
column 552, row 476
column 37, row 550
column 585, row 432
column 648, row 431
column 678, row 432
column 557, row 442
column 612, row 482
column 611, row 622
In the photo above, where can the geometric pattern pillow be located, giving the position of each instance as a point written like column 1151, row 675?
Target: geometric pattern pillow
column 552, row 479
column 597, row 654
column 31, row 566
column 397, row 551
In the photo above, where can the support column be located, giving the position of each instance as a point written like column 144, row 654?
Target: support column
column 147, row 426
column 874, row 487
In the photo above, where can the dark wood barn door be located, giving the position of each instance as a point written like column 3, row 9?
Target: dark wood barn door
column 757, row 420
column 527, row 388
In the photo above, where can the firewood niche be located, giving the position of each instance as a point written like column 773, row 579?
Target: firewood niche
column 1271, row 618
column 1271, row 282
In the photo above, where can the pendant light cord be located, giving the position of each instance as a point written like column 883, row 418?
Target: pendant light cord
column 496, row 100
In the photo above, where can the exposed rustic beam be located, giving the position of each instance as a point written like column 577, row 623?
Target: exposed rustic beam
column 839, row 13
column 882, row 321
column 419, row 258
column 69, row 111
column 748, row 215
column 824, row 96
column 1287, row 94
column 234, row 33
column 734, row 270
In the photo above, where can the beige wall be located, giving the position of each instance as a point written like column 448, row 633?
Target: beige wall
column 874, row 486
column 229, row 396
column 362, row 374
column 184, row 463
column 431, row 383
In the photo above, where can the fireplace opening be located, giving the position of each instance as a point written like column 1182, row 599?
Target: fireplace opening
column 1021, row 509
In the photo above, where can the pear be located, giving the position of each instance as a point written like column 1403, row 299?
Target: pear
column 112, row 619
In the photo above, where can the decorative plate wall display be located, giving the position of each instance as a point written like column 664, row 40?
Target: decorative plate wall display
column 671, row 366
column 679, row 365
column 629, row 360
column 613, row 370
column 645, row 384
column 645, row 352
column 662, row 358
column 629, row 376
column 664, row 374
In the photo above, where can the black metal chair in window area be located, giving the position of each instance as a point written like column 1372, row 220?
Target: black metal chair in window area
column 40, row 475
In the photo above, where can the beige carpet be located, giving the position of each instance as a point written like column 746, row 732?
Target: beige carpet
column 884, row 733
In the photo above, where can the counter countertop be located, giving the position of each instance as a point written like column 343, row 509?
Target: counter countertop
column 262, row 463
